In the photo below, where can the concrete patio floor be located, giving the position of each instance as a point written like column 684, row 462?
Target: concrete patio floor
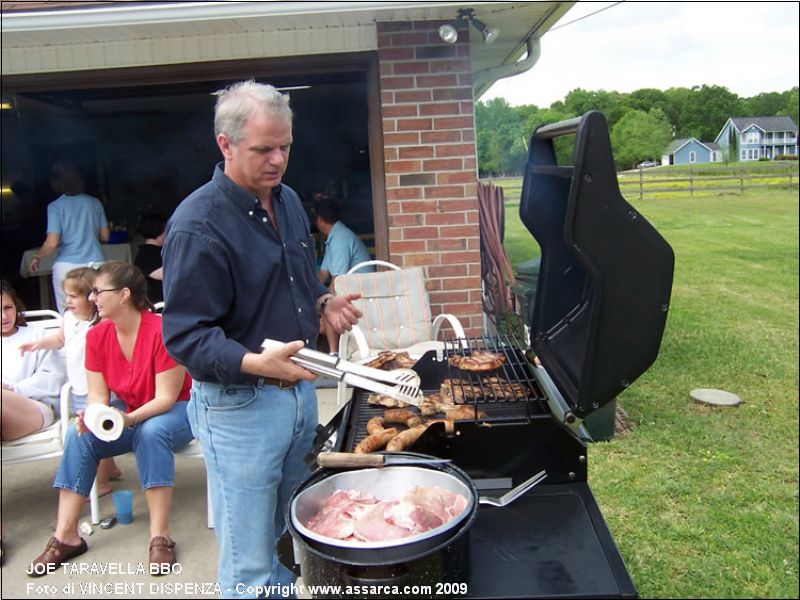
column 117, row 561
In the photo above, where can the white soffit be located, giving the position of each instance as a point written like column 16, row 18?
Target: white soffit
column 135, row 35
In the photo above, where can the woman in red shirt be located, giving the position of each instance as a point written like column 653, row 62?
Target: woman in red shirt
column 125, row 354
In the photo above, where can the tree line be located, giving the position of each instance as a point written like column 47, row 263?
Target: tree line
column 642, row 123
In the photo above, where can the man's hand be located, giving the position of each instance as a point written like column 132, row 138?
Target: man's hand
column 275, row 362
column 341, row 313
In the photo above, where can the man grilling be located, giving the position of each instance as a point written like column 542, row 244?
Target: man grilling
column 239, row 267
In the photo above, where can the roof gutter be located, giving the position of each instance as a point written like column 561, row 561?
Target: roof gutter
column 483, row 80
column 126, row 14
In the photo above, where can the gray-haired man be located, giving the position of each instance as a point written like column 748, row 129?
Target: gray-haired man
column 239, row 267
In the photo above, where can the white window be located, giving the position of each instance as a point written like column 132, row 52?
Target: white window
column 692, row 156
column 752, row 137
column 750, row 154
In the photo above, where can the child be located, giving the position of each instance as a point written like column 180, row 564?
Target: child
column 81, row 314
column 32, row 383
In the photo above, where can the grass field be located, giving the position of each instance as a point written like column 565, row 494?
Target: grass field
column 703, row 503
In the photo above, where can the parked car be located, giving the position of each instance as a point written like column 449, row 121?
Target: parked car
column 646, row 164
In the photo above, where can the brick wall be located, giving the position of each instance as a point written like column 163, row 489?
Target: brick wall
column 431, row 164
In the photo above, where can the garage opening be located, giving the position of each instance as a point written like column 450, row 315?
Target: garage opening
column 144, row 148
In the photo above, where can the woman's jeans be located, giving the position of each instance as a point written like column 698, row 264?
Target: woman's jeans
column 152, row 441
column 254, row 440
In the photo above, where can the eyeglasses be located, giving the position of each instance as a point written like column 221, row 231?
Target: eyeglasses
column 97, row 292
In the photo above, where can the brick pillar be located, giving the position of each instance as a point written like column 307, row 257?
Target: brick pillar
column 431, row 163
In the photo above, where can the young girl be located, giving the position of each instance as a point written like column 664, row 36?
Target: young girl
column 81, row 314
column 32, row 382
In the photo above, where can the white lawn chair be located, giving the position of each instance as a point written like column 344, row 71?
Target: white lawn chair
column 48, row 443
column 396, row 315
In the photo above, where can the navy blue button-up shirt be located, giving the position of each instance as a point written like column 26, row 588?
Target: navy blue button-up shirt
column 231, row 279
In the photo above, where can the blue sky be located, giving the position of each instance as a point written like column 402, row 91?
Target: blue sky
column 748, row 47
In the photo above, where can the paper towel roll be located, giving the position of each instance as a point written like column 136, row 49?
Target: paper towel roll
column 103, row 421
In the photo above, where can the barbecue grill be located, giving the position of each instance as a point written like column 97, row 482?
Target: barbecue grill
column 601, row 307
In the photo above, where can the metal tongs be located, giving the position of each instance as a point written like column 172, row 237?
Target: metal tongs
column 404, row 382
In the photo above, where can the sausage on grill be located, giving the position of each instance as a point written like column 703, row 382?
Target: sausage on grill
column 403, row 416
column 406, row 439
column 371, row 443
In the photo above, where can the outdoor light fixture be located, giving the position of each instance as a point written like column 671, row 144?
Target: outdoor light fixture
column 449, row 31
column 489, row 33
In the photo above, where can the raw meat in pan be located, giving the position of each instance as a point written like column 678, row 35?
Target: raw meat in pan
column 359, row 516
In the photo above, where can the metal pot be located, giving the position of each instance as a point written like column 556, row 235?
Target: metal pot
column 435, row 556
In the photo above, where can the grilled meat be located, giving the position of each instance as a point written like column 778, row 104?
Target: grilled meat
column 403, row 416
column 434, row 403
column 387, row 401
column 479, row 360
column 388, row 361
column 371, row 443
column 375, row 425
column 406, row 439
column 465, row 412
column 459, row 391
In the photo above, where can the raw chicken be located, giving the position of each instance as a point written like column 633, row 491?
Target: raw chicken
column 359, row 516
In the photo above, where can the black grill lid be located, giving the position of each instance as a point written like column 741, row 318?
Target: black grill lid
column 606, row 273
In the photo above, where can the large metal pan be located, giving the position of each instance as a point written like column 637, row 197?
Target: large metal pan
column 384, row 483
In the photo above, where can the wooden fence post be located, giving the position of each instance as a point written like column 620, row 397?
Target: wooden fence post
column 641, row 185
column 741, row 180
column 691, row 182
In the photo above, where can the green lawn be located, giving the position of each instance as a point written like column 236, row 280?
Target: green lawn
column 704, row 502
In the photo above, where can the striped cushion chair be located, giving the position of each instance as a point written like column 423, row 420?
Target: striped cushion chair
column 396, row 314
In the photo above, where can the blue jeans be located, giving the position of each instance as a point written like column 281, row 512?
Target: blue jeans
column 152, row 441
column 254, row 439
column 78, row 403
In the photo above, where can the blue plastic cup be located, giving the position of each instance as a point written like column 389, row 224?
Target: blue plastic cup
column 123, row 504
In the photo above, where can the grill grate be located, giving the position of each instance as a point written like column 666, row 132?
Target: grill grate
column 515, row 371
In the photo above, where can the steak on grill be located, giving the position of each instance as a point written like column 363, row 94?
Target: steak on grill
column 388, row 361
column 459, row 391
column 387, row 401
column 479, row 360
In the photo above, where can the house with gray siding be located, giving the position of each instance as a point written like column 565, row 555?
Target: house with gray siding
column 760, row 137
column 690, row 151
